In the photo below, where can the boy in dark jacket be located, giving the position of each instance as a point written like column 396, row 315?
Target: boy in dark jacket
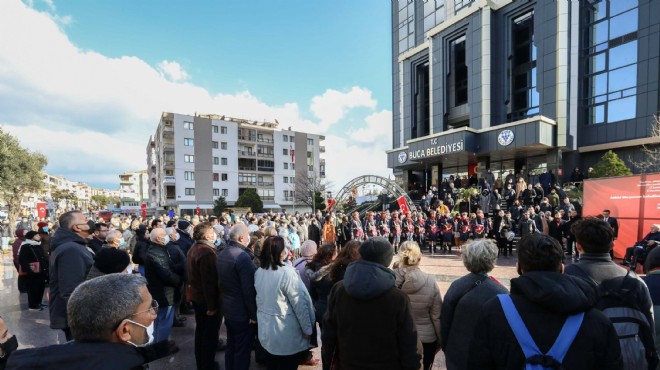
column 544, row 297
column 368, row 323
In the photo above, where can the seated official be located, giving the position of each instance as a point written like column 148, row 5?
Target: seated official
column 112, row 320
column 642, row 247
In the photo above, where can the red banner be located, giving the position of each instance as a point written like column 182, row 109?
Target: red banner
column 41, row 210
column 633, row 200
column 403, row 205
column 331, row 203
column 197, row 210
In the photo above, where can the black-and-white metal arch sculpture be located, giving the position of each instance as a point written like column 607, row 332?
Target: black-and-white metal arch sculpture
column 392, row 189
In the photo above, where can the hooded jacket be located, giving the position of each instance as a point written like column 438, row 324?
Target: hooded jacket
column 369, row 321
column 425, row 300
column 20, row 238
column 83, row 356
column 544, row 300
column 70, row 262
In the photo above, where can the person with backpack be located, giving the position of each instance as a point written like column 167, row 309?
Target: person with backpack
column 624, row 297
column 548, row 321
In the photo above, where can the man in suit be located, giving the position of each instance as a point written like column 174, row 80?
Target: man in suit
column 614, row 224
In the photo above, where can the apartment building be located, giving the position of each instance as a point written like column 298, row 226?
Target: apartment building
column 133, row 190
column 192, row 160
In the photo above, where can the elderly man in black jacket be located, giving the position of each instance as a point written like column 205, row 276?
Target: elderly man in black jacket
column 368, row 323
column 162, row 281
column 239, row 298
column 70, row 262
column 111, row 320
column 545, row 298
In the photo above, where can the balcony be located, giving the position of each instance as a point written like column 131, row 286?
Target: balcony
column 268, row 184
column 246, row 153
column 168, row 164
column 288, row 199
column 168, row 131
column 249, row 183
column 266, row 197
column 322, row 149
column 265, row 155
column 168, row 147
column 247, row 138
column 169, row 179
column 170, row 202
column 265, row 140
column 242, row 168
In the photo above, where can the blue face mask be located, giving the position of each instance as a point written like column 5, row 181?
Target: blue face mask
column 122, row 242
column 218, row 241
column 45, row 229
column 166, row 240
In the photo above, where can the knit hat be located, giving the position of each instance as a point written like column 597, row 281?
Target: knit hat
column 377, row 250
column 183, row 224
column 30, row 235
column 42, row 224
column 111, row 260
column 308, row 248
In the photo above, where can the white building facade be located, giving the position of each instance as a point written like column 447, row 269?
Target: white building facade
column 193, row 160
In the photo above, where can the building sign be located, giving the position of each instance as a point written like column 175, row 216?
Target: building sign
column 403, row 157
column 436, row 149
column 505, row 137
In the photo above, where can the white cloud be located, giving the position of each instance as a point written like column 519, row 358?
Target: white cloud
column 92, row 115
column 172, row 71
column 332, row 105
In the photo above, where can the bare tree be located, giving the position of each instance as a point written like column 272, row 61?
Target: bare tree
column 651, row 151
column 304, row 189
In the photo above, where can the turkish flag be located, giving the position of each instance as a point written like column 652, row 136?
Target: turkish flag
column 197, row 211
column 331, row 203
column 291, row 151
column 41, row 210
column 403, row 205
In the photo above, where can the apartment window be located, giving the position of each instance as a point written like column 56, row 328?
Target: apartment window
column 458, row 73
column 266, row 194
column 225, row 192
column 247, row 179
column 293, row 166
column 421, row 122
column 216, row 160
column 223, row 145
column 216, row 177
column 610, row 42
column 223, row 130
column 223, row 161
column 285, row 151
column 188, row 142
column 216, row 192
column 215, row 129
column 524, row 95
column 189, row 175
column 214, row 144
column 187, row 158
column 292, row 180
column 286, row 180
column 406, row 25
column 190, row 191
column 461, row 4
column 434, row 13
column 187, row 125
column 285, row 138
column 286, row 193
column 286, row 166
column 224, row 177
column 310, row 141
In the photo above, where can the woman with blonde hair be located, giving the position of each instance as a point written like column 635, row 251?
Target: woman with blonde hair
column 425, row 299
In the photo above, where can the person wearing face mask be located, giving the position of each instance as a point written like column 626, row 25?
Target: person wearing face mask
column 178, row 260
column 163, row 280
column 110, row 261
column 112, row 323
column 8, row 343
column 32, row 262
column 185, row 236
column 70, row 262
column 115, row 240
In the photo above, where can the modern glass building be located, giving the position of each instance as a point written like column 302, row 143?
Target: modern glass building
column 520, row 85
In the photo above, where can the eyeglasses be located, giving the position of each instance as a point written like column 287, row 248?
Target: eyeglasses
column 154, row 308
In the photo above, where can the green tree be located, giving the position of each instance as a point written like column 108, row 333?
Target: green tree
column 610, row 165
column 319, row 202
column 219, row 205
column 251, row 199
column 21, row 172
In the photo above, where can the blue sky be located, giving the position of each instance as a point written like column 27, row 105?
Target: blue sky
column 101, row 71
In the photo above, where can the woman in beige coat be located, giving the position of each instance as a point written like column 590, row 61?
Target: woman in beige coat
column 425, row 299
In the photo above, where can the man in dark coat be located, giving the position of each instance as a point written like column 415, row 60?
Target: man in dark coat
column 98, row 238
column 185, row 239
column 368, row 323
column 544, row 297
column 70, row 262
column 239, row 298
column 110, row 317
column 314, row 231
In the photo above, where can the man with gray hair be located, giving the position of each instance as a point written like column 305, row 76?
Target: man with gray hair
column 162, row 280
column 111, row 319
column 239, row 302
column 115, row 239
column 464, row 299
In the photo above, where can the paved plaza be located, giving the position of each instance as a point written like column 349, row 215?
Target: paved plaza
column 32, row 328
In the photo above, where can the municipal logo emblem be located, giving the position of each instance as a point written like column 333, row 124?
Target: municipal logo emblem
column 505, row 137
column 403, row 157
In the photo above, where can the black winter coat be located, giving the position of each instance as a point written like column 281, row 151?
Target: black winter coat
column 162, row 280
column 140, row 250
column 30, row 253
column 185, row 242
column 544, row 300
column 314, row 233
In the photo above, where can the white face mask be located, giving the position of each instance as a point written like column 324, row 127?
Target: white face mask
column 129, row 269
column 150, row 333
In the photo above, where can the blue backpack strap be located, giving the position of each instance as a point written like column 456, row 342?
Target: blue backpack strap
column 566, row 337
column 516, row 323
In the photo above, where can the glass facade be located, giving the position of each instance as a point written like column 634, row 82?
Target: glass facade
column 434, row 13
column 460, row 4
column 524, row 95
column 610, row 56
column 406, row 25
column 458, row 74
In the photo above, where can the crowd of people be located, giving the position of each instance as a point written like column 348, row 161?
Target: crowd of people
column 278, row 282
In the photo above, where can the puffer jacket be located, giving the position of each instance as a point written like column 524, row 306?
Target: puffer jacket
column 425, row 300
